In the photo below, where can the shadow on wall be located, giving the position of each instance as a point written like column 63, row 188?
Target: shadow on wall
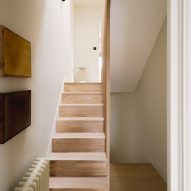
column 139, row 119
column 26, row 20
column 46, row 25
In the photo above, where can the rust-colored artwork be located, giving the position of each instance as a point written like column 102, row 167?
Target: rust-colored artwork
column 15, row 114
column 15, row 54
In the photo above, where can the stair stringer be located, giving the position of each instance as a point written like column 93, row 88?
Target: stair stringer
column 55, row 119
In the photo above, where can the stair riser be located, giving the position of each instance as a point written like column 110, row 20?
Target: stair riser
column 80, row 127
column 77, row 189
column 78, row 145
column 77, row 169
column 81, row 111
column 82, row 98
column 82, row 87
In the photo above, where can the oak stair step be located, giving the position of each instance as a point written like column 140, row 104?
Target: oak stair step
column 82, row 156
column 78, row 164
column 82, row 97
column 79, row 135
column 80, row 125
column 78, row 142
column 81, row 118
column 78, row 184
column 82, row 93
column 83, row 87
column 81, row 110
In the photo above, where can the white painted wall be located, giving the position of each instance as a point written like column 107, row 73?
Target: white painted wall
column 139, row 119
column 86, row 36
column 47, row 25
column 152, row 101
column 125, row 137
column 187, row 141
column 135, row 26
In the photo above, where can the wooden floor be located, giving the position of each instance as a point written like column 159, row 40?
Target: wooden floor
column 133, row 177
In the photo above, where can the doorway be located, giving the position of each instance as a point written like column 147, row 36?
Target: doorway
column 87, row 43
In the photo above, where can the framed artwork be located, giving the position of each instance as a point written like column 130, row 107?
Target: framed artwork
column 15, row 114
column 15, row 54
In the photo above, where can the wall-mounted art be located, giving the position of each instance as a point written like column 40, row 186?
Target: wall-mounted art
column 15, row 54
column 15, row 114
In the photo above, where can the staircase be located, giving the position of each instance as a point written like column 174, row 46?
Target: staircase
column 78, row 160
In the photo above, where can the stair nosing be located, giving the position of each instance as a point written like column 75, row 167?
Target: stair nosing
column 81, row 105
column 78, row 156
column 79, row 136
column 80, row 119
column 74, row 83
column 68, row 93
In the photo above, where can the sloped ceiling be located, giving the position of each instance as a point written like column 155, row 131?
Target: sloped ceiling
column 135, row 25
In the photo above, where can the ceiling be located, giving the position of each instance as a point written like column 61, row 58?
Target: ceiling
column 135, row 25
column 88, row 3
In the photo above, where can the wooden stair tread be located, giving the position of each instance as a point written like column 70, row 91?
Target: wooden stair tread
column 80, row 119
column 84, row 83
column 79, row 136
column 81, row 156
column 81, row 93
column 82, row 105
column 78, row 183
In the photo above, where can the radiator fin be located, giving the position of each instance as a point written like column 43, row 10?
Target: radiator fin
column 36, row 178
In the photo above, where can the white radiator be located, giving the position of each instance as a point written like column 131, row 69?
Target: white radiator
column 36, row 178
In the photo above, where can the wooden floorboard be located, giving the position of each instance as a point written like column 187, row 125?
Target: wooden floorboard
column 133, row 177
